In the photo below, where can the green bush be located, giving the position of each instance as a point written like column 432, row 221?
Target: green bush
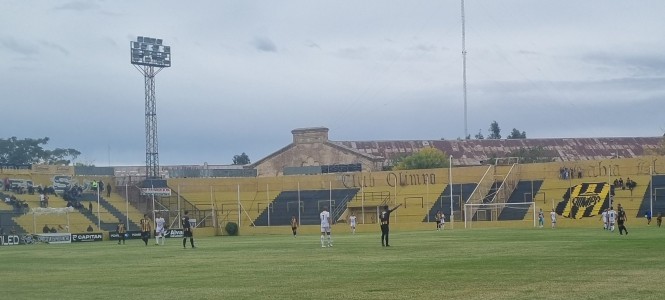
column 231, row 228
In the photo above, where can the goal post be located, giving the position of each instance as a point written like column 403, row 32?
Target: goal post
column 521, row 214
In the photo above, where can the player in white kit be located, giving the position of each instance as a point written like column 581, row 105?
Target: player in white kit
column 553, row 217
column 159, row 229
column 611, row 218
column 603, row 217
column 352, row 222
column 325, row 228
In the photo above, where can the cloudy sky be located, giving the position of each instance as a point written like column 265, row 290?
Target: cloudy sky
column 245, row 73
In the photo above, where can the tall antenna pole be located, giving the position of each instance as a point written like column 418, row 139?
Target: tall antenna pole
column 466, row 128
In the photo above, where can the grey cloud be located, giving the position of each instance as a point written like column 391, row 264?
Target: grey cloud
column 264, row 44
column 19, row 46
column 78, row 6
column 55, row 46
column 353, row 53
column 528, row 52
column 312, row 44
column 424, row 48
column 642, row 64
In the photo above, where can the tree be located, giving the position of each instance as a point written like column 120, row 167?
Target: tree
column 479, row 136
column 427, row 158
column 532, row 155
column 495, row 131
column 516, row 134
column 241, row 159
column 29, row 151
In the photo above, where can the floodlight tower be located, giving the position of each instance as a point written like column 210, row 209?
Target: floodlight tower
column 149, row 56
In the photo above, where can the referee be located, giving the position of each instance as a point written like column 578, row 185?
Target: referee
column 384, row 219
column 187, row 231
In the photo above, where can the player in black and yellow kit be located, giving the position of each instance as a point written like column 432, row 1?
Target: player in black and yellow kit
column 384, row 220
column 187, row 231
column 146, row 227
column 294, row 225
column 122, row 231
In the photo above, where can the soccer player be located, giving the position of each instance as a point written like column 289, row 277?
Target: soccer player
column 122, row 231
column 384, row 219
column 541, row 218
column 159, row 230
column 294, row 225
column 621, row 219
column 648, row 216
column 325, row 228
column 438, row 217
column 659, row 219
column 145, row 228
column 553, row 217
column 187, row 231
column 603, row 217
column 352, row 222
column 611, row 217
column 443, row 221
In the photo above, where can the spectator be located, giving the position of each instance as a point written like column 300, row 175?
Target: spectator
column 90, row 206
column 45, row 229
column 89, row 229
column 101, row 186
column 108, row 190
column 53, row 230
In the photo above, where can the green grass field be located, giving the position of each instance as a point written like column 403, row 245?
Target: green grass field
column 453, row 264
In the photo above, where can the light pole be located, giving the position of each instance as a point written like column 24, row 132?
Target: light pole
column 146, row 54
column 450, row 183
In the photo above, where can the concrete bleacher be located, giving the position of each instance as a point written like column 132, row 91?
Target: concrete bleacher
column 658, row 204
column 523, row 192
column 311, row 202
column 461, row 193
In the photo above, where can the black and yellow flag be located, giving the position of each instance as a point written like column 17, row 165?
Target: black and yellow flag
column 585, row 200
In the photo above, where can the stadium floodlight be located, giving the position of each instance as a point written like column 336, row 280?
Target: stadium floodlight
column 149, row 56
column 144, row 49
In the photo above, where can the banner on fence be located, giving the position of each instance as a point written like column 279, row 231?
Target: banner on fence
column 156, row 191
column 129, row 235
column 174, row 233
column 87, row 237
column 10, row 240
column 54, row 238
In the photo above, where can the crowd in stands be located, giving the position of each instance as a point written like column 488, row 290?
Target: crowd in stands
column 18, row 204
column 566, row 173
column 629, row 184
column 73, row 196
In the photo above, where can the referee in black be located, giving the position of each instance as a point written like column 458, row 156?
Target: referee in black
column 621, row 219
column 187, row 231
column 384, row 219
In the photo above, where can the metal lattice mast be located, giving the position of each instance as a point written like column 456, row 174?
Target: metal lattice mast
column 151, row 142
column 466, row 128
column 149, row 57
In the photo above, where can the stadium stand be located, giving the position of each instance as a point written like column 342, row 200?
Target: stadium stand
column 523, row 193
column 658, row 197
column 311, row 203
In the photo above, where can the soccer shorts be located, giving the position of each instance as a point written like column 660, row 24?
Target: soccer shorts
column 325, row 229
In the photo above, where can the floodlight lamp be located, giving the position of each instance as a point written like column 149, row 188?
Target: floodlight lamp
column 149, row 51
